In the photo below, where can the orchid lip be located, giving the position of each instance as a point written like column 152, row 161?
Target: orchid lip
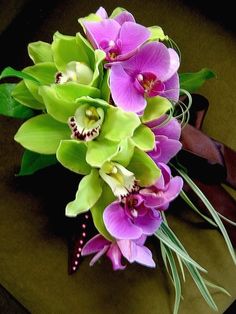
column 86, row 123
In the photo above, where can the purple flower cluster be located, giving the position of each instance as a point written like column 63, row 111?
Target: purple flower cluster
column 139, row 70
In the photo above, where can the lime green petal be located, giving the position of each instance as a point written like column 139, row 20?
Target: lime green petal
column 23, row 96
column 44, row 73
column 71, row 154
column 144, row 138
column 116, row 12
column 126, row 150
column 10, row 72
column 119, row 124
column 32, row 162
column 101, row 151
column 157, row 33
column 40, row 51
column 9, row 106
column 66, row 49
column 42, row 134
column 156, row 107
column 144, row 168
column 87, row 195
column 105, row 88
column 61, row 100
column 97, row 210
column 90, row 18
column 85, row 45
column 98, row 68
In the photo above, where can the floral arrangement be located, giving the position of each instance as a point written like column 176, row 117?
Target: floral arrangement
column 108, row 107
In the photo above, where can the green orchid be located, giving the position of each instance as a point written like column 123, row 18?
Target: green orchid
column 69, row 61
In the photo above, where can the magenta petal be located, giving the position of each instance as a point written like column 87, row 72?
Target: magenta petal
column 98, row 255
column 118, row 223
column 167, row 149
column 174, row 188
column 102, row 13
column 151, row 58
column 123, row 17
column 100, row 31
column 128, row 249
column 172, row 129
column 141, row 240
column 94, row 245
column 144, row 256
column 174, row 63
column 148, row 223
column 123, row 91
column 115, row 256
column 132, row 35
column 172, row 88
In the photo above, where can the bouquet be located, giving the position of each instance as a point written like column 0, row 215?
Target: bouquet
column 110, row 106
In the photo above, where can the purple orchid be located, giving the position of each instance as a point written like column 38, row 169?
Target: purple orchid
column 150, row 72
column 167, row 137
column 121, row 18
column 133, row 251
column 118, row 38
column 130, row 218
column 165, row 190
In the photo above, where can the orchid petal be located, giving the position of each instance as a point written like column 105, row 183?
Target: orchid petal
column 123, row 17
column 102, row 13
column 172, row 129
column 174, row 63
column 151, row 58
column 123, row 91
column 132, row 35
column 144, row 256
column 98, row 255
column 94, row 245
column 115, row 256
column 172, row 88
column 118, row 223
column 148, row 223
column 98, row 31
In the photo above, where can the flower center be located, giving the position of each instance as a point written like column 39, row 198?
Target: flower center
column 148, row 84
column 86, row 123
column 112, row 48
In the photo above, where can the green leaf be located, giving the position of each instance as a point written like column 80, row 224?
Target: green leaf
column 193, row 81
column 185, row 197
column 100, row 151
column 157, row 33
column 62, row 101
column 97, row 210
column 71, row 154
column 42, row 134
column 9, row 106
column 10, row 72
column 21, row 94
column 174, row 246
column 212, row 211
column 144, row 168
column 40, row 51
column 88, row 193
column 126, row 150
column 156, row 107
column 144, row 138
column 176, row 279
column 66, row 49
column 119, row 124
column 32, row 162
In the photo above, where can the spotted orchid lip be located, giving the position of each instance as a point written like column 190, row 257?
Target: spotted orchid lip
column 86, row 123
